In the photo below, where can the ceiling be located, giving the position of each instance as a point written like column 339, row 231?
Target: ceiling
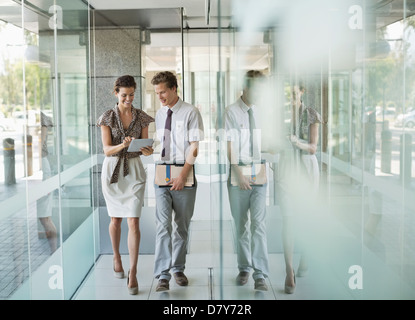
column 147, row 14
column 166, row 14
column 160, row 16
column 199, row 14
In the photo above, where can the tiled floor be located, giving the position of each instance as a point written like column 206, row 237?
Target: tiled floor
column 209, row 278
column 211, row 269
column 16, row 243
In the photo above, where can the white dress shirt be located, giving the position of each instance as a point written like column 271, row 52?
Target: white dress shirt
column 186, row 127
column 237, row 131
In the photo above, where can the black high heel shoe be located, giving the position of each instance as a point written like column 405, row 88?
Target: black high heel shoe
column 133, row 290
column 290, row 289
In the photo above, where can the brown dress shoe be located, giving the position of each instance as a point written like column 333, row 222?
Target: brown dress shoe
column 261, row 285
column 162, row 285
column 242, row 278
column 181, row 279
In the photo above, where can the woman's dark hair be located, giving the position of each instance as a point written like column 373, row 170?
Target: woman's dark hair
column 126, row 81
column 166, row 77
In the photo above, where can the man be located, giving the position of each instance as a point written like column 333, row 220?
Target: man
column 247, row 197
column 180, row 128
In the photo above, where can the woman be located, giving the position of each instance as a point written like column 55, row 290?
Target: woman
column 123, row 177
column 305, row 126
column 44, row 204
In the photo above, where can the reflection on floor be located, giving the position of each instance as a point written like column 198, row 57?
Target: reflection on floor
column 339, row 246
column 210, row 278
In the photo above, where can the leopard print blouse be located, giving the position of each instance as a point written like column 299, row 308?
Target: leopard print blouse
column 112, row 119
column 46, row 122
column 307, row 117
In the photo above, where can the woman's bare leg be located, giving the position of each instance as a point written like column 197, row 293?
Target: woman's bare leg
column 115, row 235
column 134, row 236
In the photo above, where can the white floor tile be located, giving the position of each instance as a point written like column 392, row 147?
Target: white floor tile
column 211, row 270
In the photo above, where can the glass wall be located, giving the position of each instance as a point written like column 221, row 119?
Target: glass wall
column 45, row 187
column 352, row 222
column 192, row 55
column 339, row 193
column 335, row 126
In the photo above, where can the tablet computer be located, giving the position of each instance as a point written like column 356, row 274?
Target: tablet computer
column 137, row 144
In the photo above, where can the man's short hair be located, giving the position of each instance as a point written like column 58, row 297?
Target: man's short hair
column 166, row 77
column 252, row 76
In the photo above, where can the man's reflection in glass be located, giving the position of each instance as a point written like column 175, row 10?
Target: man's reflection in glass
column 247, row 195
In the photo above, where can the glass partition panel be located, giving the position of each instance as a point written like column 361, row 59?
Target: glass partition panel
column 41, row 139
column 66, row 43
column 29, row 193
column 248, row 235
column 407, row 147
column 15, row 263
column 337, row 140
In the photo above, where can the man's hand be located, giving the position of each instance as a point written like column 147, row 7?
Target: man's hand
column 243, row 182
column 177, row 183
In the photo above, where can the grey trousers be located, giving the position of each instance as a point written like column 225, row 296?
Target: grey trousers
column 248, row 208
column 174, row 211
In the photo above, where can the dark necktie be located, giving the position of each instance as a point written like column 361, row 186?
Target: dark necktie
column 165, row 153
column 251, row 132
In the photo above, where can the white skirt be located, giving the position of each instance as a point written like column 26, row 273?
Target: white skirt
column 313, row 172
column 125, row 198
column 44, row 204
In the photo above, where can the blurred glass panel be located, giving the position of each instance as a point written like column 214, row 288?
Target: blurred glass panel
column 355, row 58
